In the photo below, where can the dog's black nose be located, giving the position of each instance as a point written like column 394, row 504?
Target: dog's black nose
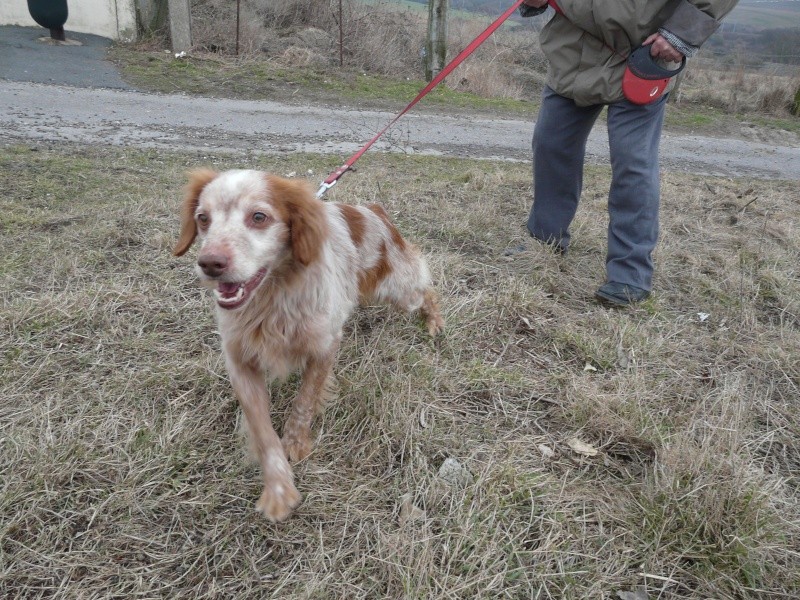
column 213, row 265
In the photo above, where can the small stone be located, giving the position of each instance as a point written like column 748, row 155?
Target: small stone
column 454, row 473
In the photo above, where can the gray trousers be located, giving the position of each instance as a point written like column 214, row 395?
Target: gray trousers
column 559, row 148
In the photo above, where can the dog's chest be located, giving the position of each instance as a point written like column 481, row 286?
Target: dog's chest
column 280, row 336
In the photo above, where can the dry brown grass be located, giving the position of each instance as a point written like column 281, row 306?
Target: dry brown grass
column 501, row 67
column 123, row 474
column 739, row 91
column 380, row 38
column 386, row 38
column 377, row 39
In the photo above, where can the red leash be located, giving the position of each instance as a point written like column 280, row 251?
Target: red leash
column 334, row 177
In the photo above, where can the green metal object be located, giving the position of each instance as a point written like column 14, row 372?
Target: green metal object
column 51, row 14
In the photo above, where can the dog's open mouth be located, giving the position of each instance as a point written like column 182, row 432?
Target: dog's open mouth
column 233, row 294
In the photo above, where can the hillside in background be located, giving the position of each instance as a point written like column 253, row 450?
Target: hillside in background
column 758, row 14
column 765, row 31
column 764, row 14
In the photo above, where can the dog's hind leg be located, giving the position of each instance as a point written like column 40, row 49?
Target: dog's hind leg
column 409, row 290
column 431, row 313
column 402, row 279
column 427, row 303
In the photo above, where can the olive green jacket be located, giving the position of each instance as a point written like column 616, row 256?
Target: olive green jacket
column 578, row 44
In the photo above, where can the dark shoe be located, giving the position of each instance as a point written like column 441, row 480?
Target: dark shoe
column 620, row 294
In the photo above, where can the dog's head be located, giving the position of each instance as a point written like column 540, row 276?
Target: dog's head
column 249, row 224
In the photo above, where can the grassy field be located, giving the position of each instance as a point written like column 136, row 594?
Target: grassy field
column 654, row 450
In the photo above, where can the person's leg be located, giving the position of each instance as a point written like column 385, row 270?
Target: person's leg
column 634, row 132
column 559, row 147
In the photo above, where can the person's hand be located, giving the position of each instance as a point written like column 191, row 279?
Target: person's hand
column 661, row 48
column 535, row 3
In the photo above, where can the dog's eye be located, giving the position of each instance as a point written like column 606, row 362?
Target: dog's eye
column 259, row 217
column 202, row 218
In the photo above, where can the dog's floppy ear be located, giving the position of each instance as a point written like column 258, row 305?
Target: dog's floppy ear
column 305, row 215
column 198, row 180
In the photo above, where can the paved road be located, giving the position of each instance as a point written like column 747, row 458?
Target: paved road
column 25, row 57
column 99, row 115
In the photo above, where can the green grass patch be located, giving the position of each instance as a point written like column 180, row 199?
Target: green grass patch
column 268, row 80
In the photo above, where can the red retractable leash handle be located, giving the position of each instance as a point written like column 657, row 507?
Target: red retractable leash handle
column 347, row 166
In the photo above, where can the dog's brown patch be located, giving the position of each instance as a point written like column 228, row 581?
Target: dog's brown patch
column 355, row 223
column 396, row 237
column 369, row 280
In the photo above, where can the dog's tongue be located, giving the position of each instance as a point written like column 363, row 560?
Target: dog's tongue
column 227, row 288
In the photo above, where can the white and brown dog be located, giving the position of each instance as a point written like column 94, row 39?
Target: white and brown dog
column 287, row 270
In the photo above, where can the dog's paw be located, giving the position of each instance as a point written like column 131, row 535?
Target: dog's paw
column 297, row 445
column 278, row 500
column 435, row 324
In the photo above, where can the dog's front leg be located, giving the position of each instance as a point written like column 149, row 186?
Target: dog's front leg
column 280, row 496
column 312, row 396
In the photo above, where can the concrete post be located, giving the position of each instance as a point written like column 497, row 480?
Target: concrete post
column 180, row 25
column 151, row 15
column 436, row 44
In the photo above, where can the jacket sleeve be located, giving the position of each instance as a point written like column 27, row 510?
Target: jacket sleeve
column 686, row 49
column 695, row 21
